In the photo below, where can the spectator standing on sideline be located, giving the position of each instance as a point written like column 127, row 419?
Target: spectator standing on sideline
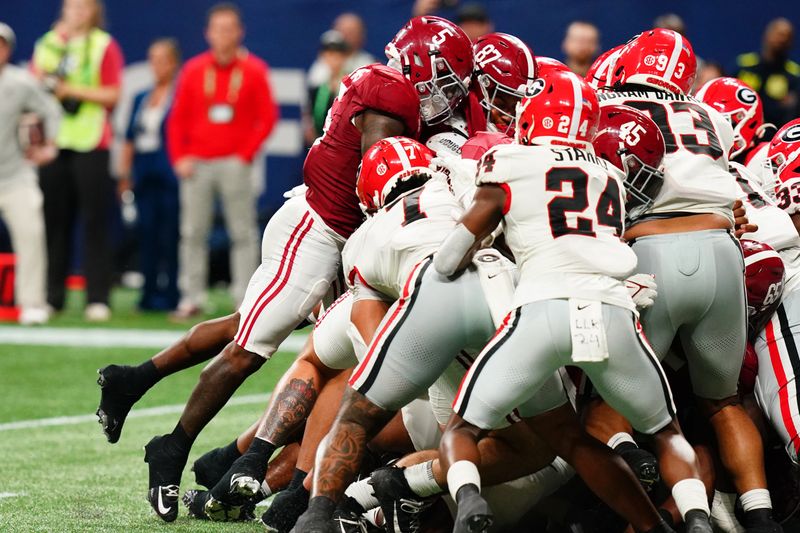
column 144, row 165
column 772, row 74
column 474, row 20
column 222, row 112
column 581, row 45
column 672, row 21
column 708, row 71
column 82, row 65
column 352, row 29
column 333, row 52
column 20, row 196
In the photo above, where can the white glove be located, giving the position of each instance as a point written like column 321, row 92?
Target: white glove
column 643, row 289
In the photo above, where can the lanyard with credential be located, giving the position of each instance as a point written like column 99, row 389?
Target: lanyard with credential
column 234, row 84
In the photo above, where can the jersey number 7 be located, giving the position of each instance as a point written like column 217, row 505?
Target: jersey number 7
column 608, row 211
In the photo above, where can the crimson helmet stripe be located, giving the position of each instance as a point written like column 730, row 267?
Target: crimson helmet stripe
column 673, row 59
column 401, row 152
column 577, row 110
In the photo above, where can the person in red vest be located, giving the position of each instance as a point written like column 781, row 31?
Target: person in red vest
column 222, row 114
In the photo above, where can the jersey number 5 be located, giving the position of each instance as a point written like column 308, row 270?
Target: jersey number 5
column 608, row 211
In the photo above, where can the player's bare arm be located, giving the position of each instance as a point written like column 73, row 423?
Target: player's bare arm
column 482, row 217
column 375, row 126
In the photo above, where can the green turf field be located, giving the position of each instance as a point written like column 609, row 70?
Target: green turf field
column 67, row 477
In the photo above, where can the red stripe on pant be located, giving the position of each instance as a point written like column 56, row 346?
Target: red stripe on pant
column 255, row 312
column 401, row 303
column 783, row 389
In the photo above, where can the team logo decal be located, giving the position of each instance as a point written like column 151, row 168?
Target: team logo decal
column 535, row 87
column 746, row 96
column 381, row 169
column 792, row 135
column 650, row 61
column 547, row 122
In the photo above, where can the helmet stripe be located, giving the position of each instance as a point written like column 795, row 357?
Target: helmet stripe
column 401, row 152
column 577, row 110
column 528, row 56
column 673, row 59
column 758, row 256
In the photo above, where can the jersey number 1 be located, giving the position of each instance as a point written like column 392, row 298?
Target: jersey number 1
column 411, row 209
column 608, row 211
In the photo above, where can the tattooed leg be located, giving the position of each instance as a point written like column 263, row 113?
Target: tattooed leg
column 340, row 454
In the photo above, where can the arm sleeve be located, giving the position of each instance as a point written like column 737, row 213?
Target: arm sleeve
column 265, row 115
column 177, row 120
column 112, row 65
column 44, row 105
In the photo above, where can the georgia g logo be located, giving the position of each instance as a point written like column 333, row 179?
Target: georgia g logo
column 534, row 88
column 746, row 95
column 792, row 135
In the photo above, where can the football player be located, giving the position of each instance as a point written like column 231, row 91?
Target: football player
column 301, row 246
column 562, row 210
column 685, row 239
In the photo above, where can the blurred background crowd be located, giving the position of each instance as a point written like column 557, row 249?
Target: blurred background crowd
column 153, row 175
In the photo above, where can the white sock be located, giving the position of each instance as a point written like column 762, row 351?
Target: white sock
column 374, row 517
column 756, row 499
column 723, row 517
column 266, row 489
column 462, row 473
column 690, row 494
column 420, row 479
column 619, row 438
column 546, row 481
column 361, row 491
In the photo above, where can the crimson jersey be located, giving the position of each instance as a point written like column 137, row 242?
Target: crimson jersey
column 331, row 165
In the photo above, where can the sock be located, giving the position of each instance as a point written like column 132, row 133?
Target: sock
column 621, row 438
column 181, row 440
column 231, row 452
column 144, row 376
column 469, row 488
column 321, row 505
column 462, row 473
column 755, row 499
column 266, row 488
column 690, row 494
column 375, row 517
column 361, row 491
column 260, row 451
column 723, row 516
column 546, row 481
column 421, row 481
column 297, row 479
column 625, row 446
column 663, row 527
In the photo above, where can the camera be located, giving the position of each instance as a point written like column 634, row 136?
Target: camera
column 51, row 81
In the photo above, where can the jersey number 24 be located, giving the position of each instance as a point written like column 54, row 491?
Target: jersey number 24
column 608, row 211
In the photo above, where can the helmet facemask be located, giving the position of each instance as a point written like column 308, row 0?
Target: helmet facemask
column 490, row 91
column 738, row 120
column 440, row 95
column 642, row 184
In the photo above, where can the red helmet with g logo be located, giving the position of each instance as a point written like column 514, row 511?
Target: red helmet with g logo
column 740, row 104
column 599, row 74
column 387, row 163
column 504, row 66
column 436, row 56
column 784, row 148
column 658, row 58
column 559, row 108
column 632, row 142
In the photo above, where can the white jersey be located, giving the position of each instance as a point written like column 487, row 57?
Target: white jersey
column 775, row 226
column 757, row 166
column 698, row 139
column 563, row 219
column 386, row 247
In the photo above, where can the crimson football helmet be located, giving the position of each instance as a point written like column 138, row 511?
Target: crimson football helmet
column 599, row 74
column 436, row 56
column 632, row 142
column 763, row 276
column 738, row 103
column 504, row 66
column 658, row 58
column 387, row 163
column 784, row 148
column 559, row 108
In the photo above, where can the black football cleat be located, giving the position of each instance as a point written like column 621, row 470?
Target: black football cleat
column 286, row 508
column 242, row 480
column 697, row 521
column 116, row 399
column 760, row 521
column 644, row 465
column 402, row 508
column 474, row 514
column 314, row 524
column 165, row 467
column 195, row 502
column 211, row 466
column 348, row 517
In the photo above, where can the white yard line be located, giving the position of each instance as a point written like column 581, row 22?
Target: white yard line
column 111, row 338
column 136, row 413
column 11, row 494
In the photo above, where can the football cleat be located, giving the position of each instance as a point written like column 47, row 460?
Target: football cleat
column 760, row 521
column 644, row 465
column 314, row 524
column 242, row 480
column 211, row 466
column 697, row 521
column 402, row 508
column 195, row 501
column 218, row 511
column 349, row 522
column 115, row 400
column 286, row 508
column 165, row 467
column 474, row 514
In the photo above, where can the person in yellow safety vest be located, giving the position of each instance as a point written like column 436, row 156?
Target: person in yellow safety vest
column 82, row 66
column 774, row 76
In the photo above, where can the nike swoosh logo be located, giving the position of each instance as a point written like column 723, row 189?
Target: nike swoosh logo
column 161, row 508
column 582, row 307
column 492, row 276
